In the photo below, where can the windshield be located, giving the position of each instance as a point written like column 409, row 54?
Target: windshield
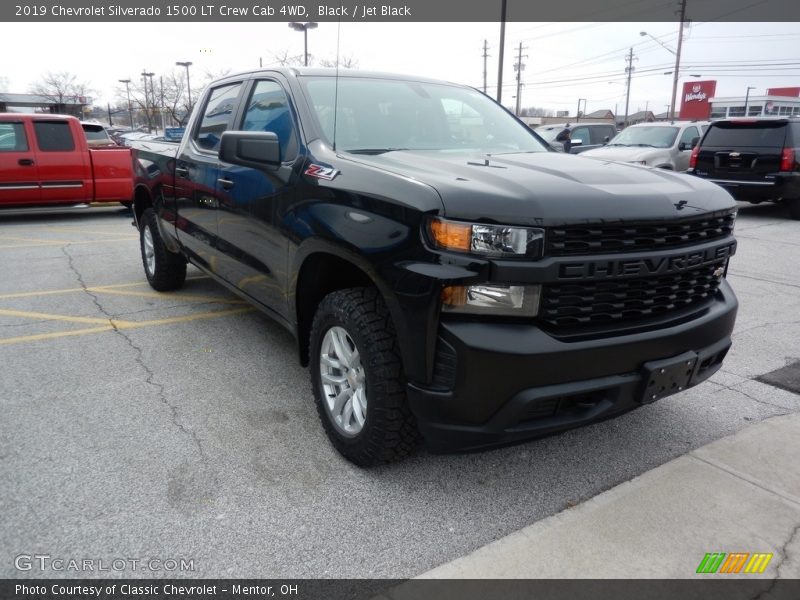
column 95, row 132
column 381, row 115
column 657, row 137
column 765, row 134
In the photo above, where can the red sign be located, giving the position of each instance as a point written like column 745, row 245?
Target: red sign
column 694, row 99
column 792, row 92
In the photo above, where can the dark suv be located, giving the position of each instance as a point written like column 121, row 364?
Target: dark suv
column 756, row 160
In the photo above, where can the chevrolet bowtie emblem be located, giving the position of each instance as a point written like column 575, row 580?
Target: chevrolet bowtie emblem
column 718, row 272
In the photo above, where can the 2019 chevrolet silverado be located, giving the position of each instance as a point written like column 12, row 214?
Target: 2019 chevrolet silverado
column 46, row 160
column 445, row 273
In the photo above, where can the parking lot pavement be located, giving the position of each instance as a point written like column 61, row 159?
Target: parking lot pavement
column 180, row 425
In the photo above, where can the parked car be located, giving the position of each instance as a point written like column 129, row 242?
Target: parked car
column 442, row 270
column 97, row 136
column 580, row 136
column 663, row 145
column 46, row 160
column 756, row 160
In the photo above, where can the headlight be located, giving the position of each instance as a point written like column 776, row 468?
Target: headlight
column 498, row 300
column 487, row 240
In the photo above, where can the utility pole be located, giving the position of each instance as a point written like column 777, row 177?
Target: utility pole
column 485, row 56
column 678, row 59
column 519, row 66
column 502, row 51
column 629, row 71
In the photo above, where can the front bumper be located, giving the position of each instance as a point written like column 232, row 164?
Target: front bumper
column 497, row 383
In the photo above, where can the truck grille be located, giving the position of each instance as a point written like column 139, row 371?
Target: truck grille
column 610, row 301
column 601, row 239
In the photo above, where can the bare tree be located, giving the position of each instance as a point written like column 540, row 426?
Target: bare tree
column 62, row 87
column 345, row 62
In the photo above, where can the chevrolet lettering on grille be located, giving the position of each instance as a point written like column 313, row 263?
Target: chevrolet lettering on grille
column 640, row 267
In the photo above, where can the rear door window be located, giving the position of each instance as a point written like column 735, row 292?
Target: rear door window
column 735, row 135
column 54, row 136
column 217, row 116
column 13, row 138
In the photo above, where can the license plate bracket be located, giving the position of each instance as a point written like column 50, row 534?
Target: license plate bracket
column 667, row 376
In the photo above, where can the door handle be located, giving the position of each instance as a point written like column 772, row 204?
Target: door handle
column 180, row 171
column 225, row 183
column 25, row 162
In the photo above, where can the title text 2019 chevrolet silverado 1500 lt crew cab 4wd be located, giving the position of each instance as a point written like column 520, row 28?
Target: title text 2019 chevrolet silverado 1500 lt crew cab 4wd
column 46, row 160
column 443, row 270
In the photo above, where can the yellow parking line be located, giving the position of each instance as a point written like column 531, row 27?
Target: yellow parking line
column 50, row 336
column 96, row 288
column 163, row 295
column 37, row 241
column 80, row 230
column 44, row 243
column 186, row 318
column 25, row 314
column 124, row 325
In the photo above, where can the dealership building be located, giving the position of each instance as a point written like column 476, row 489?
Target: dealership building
column 698, row 101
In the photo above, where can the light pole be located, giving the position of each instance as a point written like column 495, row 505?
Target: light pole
column 146, row 98
column 188, row 86
column 578, row 113
column 677, row 54
column 304, row 27
column 152, row 96
column 747, row 97
column 127, row 83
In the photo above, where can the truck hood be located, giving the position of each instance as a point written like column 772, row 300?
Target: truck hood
column 626, row 153
column 552, row 188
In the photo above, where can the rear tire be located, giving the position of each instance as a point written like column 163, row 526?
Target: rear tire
column 358, row 380
column 794, row 209
column 165, row 270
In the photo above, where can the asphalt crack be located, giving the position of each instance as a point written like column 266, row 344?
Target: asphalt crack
column 732, row 388
column 784, row 550
column 139, row 359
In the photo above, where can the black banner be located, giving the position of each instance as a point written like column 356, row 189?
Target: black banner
column 702, row 588
column 395, row 10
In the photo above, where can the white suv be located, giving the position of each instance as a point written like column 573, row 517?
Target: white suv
column 666, row 145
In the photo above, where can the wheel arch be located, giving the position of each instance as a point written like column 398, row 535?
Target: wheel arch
column 323, row 268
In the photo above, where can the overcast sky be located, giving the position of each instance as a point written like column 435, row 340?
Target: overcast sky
column 564, row 62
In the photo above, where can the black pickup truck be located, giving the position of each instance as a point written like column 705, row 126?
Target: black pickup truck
column 445, row 273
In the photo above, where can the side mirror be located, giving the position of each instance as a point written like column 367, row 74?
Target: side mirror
column 557, row 146
column 606, row 139
column 257, row 149
column 682, row 146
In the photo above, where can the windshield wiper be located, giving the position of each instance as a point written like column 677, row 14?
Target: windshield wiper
column 374, row 151
column 645, row 145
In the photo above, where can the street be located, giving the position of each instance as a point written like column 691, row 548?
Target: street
column 139, row 425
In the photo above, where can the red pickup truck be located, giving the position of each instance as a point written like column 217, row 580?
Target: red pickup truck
column 45, row 160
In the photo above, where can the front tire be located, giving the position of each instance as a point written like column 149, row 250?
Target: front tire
column 165, row 270
column 358, row 379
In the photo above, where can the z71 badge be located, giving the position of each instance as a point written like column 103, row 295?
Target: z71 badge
column 321, row 172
